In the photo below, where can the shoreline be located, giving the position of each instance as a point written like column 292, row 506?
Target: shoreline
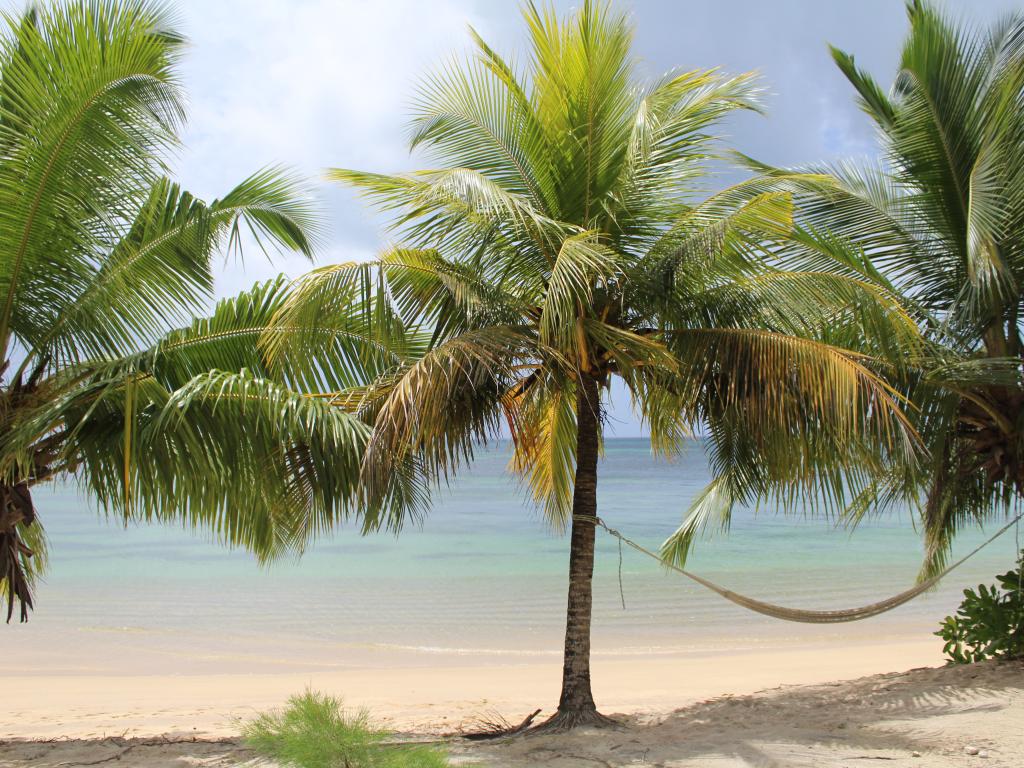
column 409, row 693
column 945, row 717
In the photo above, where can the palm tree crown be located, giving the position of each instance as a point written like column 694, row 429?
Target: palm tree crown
column 939, row 221
column 101, row 259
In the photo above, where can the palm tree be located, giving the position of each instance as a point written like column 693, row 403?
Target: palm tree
column 939, row 221
column 556, row 247
column 106, row 379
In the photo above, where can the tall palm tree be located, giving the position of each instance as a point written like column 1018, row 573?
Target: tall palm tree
column 939, row 221
column 558, row 246
column 103, row 263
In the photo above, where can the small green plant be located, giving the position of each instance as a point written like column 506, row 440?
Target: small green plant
column 989, row 622
column 315, row 731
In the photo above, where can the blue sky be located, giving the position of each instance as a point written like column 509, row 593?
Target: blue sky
column 321, row 83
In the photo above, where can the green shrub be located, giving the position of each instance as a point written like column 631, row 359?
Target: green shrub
column 989, row 622
column 314, row 731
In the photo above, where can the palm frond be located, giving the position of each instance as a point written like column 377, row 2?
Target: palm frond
column 774, row 383
column 160, row 273
column 712, row 508
column 478, row 116
column 94, row 99
column 439, row 406
column 583, row 264
column 543, row 421
column 230, row 453
column 468, row 209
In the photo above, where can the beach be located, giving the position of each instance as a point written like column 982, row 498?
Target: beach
column 413, row 693
column 930, row 716
column 156, row 632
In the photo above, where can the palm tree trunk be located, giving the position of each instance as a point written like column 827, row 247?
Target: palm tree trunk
column 15, row 507
column 576, row 705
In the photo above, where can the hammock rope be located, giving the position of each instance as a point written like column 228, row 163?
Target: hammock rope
column 796, row 614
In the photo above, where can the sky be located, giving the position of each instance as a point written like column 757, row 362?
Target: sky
column 315, row 84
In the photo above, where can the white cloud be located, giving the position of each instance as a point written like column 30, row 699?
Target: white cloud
column 310, row 84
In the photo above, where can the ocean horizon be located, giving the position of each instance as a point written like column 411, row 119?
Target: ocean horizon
column 483, row 575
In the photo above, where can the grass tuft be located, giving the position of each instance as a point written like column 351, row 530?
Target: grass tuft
column 315, row 731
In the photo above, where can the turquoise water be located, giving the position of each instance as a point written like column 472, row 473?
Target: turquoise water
column 485, row 575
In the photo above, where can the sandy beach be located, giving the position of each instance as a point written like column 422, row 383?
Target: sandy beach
column 137, row 662
column 412, row 692
column 744, row 710
column 463, row 620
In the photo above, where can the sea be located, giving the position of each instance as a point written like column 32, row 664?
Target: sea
column 483, row 576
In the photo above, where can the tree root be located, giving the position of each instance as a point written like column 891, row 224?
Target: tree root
column 495, row 727
column 567, row 720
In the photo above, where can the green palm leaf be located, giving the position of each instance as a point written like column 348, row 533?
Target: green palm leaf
column 109, row 379
column 939, row 227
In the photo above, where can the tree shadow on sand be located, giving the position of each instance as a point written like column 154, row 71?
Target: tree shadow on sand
column 158, row 752
column 880, row 718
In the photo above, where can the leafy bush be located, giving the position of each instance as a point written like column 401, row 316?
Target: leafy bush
column 989, row 622
column 314, row 731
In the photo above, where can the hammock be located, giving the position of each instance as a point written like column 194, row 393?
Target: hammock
column 810, row 617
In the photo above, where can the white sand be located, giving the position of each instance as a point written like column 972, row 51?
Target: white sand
column 69, row 720
column 933, row 712
column 413, row 691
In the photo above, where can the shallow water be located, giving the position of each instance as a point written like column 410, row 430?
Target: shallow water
column 483, row 576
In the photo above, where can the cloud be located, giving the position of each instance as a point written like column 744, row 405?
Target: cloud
column 301, row 80
column 310, row 84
